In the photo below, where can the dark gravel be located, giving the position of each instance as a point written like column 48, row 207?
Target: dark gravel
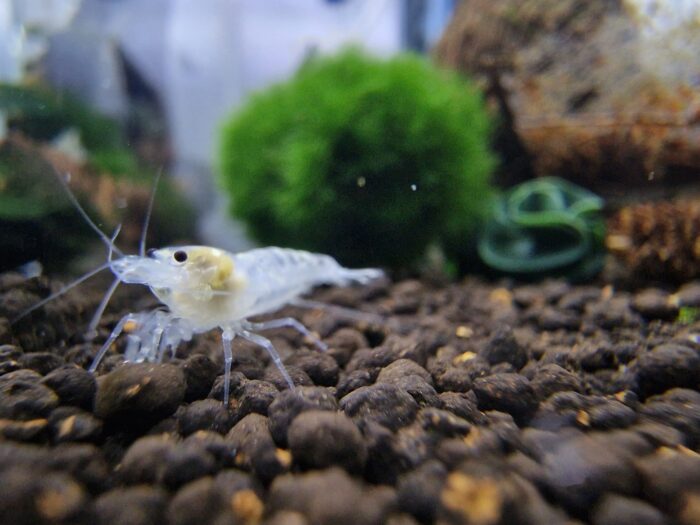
column 73, row 385
column 469, row 403
column 140, row 391
column 140, row 505
column 319, row 439
column 507, row 392
column 383, row 403
column 290, row 403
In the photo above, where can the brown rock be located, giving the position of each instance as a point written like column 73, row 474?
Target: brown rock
column 582, row 88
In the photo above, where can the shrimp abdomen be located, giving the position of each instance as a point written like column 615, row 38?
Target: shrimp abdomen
column 299, row 266
column 276, row 276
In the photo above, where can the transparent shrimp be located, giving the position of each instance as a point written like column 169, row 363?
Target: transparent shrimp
column 204, row 288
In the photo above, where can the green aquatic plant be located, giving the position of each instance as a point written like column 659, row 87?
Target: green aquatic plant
column 366, row 159
column 543, row 227
column 42, row 115
column 36, row 222
column 688, row 315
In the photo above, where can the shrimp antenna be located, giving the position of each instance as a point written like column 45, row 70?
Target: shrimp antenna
column 63, row 180
column 149, row 210
column 60, row 292
column 92, row 327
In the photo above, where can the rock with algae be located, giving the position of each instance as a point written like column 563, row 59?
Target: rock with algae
column 604, row 92
column 656, row 240
column 38, row 221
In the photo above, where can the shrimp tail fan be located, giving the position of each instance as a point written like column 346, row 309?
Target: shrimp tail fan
column 361, row 276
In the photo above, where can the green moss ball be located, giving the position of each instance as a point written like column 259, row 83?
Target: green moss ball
column 365, row 159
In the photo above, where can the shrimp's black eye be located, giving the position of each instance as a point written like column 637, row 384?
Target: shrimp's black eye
column 180, row 256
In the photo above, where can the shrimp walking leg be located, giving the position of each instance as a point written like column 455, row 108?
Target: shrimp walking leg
column 342, row 311
column 288, row 322
column 227, row 339
column 269, row 347
column 112, row 337
column 162, row 347
column 155, row 341
column 175, row 330
column 167, row 341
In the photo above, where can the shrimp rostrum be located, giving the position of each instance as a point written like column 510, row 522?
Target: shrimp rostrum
column 203, row 288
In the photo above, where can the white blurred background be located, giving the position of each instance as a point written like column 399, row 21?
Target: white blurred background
column 197, row 60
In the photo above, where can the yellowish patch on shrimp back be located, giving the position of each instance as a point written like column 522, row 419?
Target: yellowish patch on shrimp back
column 207, row 286
column 202, row 257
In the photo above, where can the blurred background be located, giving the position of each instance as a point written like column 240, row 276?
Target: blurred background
column 410, row 134
column 178, row 67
